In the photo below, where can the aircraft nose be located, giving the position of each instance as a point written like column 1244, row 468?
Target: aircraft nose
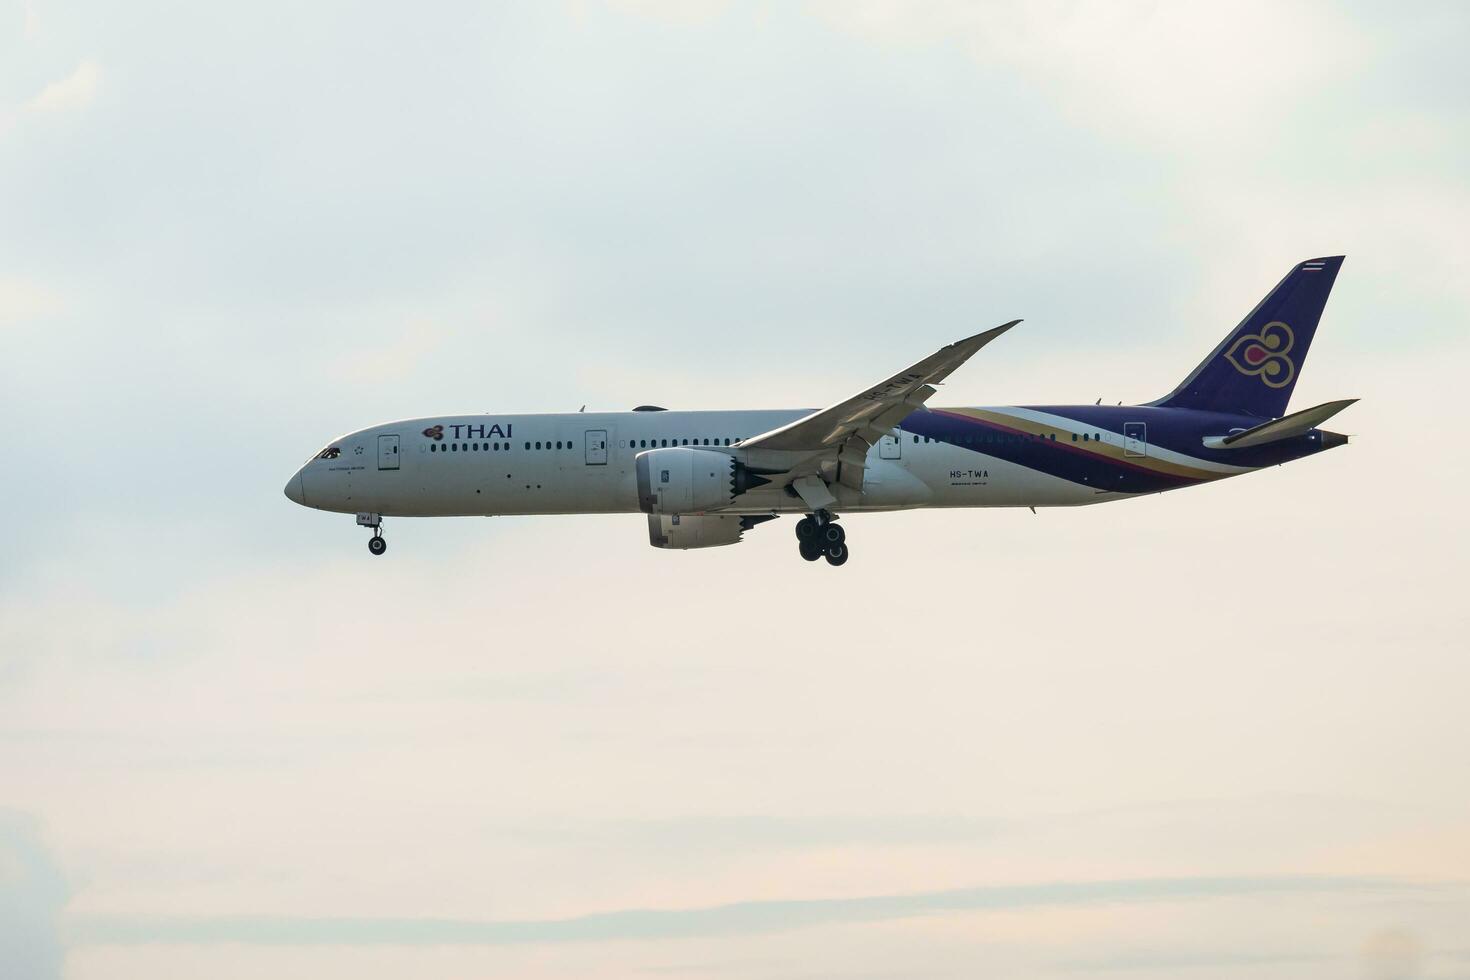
column 296, row 490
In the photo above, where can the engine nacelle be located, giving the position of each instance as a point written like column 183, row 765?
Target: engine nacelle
column 685, row 480
column 685, row 531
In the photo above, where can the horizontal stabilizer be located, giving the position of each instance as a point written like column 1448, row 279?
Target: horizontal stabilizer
column 1295, row 424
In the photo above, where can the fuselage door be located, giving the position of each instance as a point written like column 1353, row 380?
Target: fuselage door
column 387, row 452
column 890, row 446
column 1135, row 439
column 596, row 441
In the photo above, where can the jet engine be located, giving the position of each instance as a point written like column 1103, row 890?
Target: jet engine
column 684, row 480
column 682, row 532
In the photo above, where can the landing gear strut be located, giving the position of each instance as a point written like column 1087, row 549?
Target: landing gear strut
column 819, row 535
column 377, row 544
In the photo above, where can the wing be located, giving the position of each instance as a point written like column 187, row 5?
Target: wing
column 850, row 427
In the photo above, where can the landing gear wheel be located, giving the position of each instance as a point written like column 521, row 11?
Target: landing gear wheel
column 377, row 544
column 806, row 529
column 837, row 554
column 810, row 550
column 832, row 534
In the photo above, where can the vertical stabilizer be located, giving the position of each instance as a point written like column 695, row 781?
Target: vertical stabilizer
column 1254, row 369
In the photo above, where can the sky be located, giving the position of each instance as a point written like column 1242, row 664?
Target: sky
column 1213, row 733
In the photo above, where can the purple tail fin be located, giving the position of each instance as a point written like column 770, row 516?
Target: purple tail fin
column 1254, row 369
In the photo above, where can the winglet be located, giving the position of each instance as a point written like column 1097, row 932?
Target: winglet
column 986, row 336
column 968, row 348
column 901, row 393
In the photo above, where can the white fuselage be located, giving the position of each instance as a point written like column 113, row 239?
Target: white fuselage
column 584, row 463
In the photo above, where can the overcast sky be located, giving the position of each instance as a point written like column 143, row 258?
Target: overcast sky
column 1215, row 733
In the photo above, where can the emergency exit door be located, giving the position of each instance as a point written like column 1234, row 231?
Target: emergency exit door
column 596, row 442
column 1135, row 439
column 387, row 452
column 890, row 446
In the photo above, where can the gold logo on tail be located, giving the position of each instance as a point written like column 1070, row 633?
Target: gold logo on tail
column 1265, row 354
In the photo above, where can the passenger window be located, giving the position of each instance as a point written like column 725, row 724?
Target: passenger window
column 528, row 445
column 1097, row 437
column 432, row 447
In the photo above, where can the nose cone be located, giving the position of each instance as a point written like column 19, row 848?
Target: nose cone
column 295, row 490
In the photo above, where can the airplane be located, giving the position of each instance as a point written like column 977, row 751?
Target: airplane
column 703, row 479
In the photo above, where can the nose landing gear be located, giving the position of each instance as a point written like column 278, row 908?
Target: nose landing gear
column 377, row 544
column 819, row 535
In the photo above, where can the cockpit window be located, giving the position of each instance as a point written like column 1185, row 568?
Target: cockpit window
column 331, row 452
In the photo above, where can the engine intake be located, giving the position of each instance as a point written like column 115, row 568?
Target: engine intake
column 683, row 480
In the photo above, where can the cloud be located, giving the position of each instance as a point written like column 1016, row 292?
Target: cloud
column 771, row 832
column 75, row 91
column 32, row 893
column 21, row 299
column 372, row 216
column 1187, row 74
column 1172, row 962
column 1391, row 954
column 395, row 359
column 720, row 920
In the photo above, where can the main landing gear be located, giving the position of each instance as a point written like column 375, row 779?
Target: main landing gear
column 377, row 544
column 818, row 536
